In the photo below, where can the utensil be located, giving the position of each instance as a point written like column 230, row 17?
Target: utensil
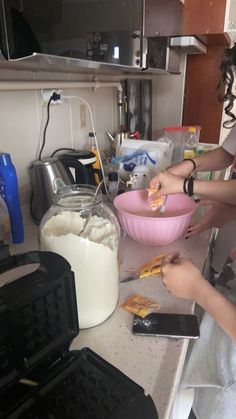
column 152, row 267
column 162, row 208
column 111, row 138
column 90, row 213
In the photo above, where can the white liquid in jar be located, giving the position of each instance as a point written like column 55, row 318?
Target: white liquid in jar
column 93, row 260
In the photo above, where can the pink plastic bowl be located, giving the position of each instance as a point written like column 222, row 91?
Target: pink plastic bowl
column 137, row 219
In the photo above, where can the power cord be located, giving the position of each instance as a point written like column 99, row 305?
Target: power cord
column 55, row 96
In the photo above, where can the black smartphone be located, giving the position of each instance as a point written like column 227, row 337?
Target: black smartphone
column 167, row 325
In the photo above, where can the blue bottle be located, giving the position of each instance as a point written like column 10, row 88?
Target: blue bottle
column 10, row 194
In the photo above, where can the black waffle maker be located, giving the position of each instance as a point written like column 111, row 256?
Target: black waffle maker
column 39, row 377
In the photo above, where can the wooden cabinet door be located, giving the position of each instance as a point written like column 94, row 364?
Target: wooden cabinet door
column 203, row 17
column 162, row 17
column 201, row 104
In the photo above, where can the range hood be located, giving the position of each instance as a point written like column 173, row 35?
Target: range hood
column 78, row 35
column 54, row 63
column 90, row 36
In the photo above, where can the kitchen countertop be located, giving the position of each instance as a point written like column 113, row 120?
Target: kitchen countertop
column 155, row 363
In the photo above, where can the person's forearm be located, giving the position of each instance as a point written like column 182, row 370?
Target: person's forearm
column 217, row 159
column 221, row 309
column 217, row 190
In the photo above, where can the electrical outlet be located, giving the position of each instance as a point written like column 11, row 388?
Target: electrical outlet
column 82, row 116
column 46, row 94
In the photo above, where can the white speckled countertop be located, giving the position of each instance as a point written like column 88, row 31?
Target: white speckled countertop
column 154, row 363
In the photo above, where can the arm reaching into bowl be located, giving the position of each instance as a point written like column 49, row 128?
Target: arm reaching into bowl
column 217, row 190
column 217, row 159
column 183, row 279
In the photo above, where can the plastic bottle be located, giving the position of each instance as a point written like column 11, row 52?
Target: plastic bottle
column 191, row 144
column 113, row 184
column 10, row 194
column 92, row 147
column 113, row 180
column 5, row 225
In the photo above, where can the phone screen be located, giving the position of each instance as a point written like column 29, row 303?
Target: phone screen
column 168, row 325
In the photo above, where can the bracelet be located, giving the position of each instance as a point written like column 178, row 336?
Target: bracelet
column 190, row 185
column 194, row 164
column 185, row 185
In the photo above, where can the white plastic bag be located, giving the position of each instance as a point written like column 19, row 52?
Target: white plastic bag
column 157, row 155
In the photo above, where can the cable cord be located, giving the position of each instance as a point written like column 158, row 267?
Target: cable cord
column 61, row 149
column 45, row 128
column 95, row 137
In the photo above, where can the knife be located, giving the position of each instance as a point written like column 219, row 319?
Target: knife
column 152, row 267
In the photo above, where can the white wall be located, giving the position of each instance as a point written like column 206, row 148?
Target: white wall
column 168, row 95
column 23, row 116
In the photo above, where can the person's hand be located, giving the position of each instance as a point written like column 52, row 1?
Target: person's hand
column 166, row 183
column 217, row 215
column 181, row 277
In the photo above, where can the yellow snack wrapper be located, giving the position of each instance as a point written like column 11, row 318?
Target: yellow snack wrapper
column 142, row 306
column 155, row 203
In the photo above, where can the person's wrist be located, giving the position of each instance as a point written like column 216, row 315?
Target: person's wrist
column 188, row 185
column 192, row 164
column 202, row 291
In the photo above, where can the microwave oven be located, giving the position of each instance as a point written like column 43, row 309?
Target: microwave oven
column 95, row 33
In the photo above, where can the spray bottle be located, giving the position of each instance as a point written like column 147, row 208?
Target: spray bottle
column 10, row 194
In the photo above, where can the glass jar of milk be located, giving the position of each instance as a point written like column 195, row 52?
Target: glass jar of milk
column 82, row 229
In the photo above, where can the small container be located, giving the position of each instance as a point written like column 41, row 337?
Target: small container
column 191, row 144
column 85, row 231
column 113, row 184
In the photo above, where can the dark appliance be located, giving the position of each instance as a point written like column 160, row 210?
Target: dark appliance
column 79, row 165
column 92, row 33
column 40, row 378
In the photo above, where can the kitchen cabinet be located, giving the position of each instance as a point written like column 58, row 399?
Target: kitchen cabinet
column 201, row 104
column 214, row 19
column 162, row 17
